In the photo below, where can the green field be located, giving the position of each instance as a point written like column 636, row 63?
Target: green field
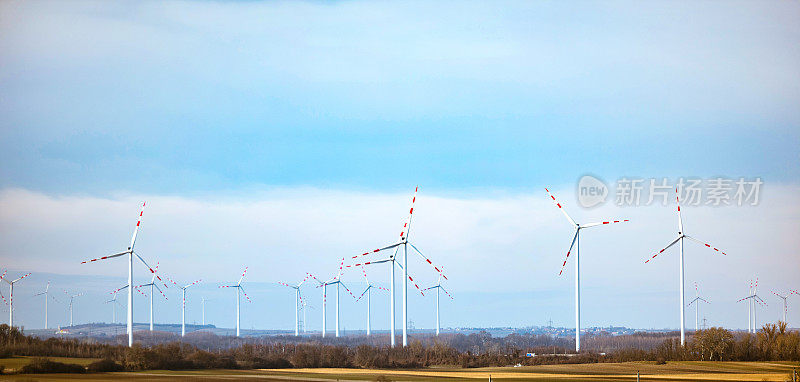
column 672, row 371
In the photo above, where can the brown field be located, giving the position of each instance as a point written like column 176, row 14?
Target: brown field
column 672, row 371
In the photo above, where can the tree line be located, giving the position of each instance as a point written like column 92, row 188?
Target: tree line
column 773, row 342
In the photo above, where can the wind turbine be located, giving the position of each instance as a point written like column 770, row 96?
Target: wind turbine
column 114, row 292
column 697, row 301
column 46, row 294
column 71, row 298
column 438, row 288
column 681, row 236
column 368, row 291
column 130, row 252
column 753, row 299
column 239, row 288
column 404, row 242
column 153, row 286
column 336, row 280
column 576, row 242
column 183, row 305
column 785, row 305
column 114, row 304
column 11, row 296
column 298, row 299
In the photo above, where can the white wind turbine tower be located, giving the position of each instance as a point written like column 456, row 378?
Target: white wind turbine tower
column 785, row 304
column 368, row 291
column 203, row 303
column 305, row 306
column 438, row 288
column 130, row 252
column 46, row 294
column 11, row 296
column 71, row 298
column 183, row 305
column 681, row 236
column 298, row 299
column 749, row 299
column 404, row 242
column 696, row 301
column 576, row 243
column 153, row 288
column 239, row 288
column 336, row 280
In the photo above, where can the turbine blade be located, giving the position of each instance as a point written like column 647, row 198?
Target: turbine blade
column 136, row 230
column 106, row 257
column 378, row 250
column 364, row 271
column 315, row 278
column 574, row 237
column 415, row 284
column 428, row 260
column 242, row 278
column 561, row 208
column 367, row 263
column 145, row 263
column 302, row 282
column 362, row 294
column 4, row 299
column 160, row 291
column 709, row 246
column 137, row 289
column 245, row 294
column 703, row 300
column 664, row 249
column 446, row 292
column 341, row 266
column 602, row 223
column 186, row 286
column 171, row 280
column 407, row 226
column 154, row 271
column 678, row 202
column 347, row 289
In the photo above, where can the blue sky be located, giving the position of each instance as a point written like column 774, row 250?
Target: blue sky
column 240, row 106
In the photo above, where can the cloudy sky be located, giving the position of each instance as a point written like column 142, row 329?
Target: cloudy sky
column 284, row 136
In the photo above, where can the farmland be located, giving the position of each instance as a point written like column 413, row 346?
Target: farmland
column 626, row 371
